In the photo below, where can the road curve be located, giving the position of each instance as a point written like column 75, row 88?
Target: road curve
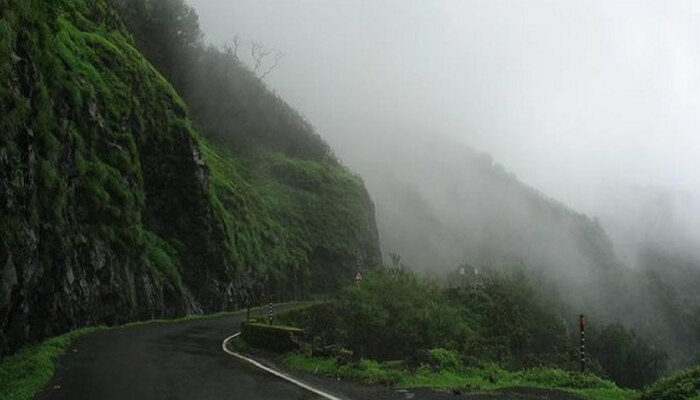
column 164, row 361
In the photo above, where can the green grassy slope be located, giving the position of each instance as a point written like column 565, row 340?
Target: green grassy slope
column 684, row 385
column 116, row 209
column 279, row 211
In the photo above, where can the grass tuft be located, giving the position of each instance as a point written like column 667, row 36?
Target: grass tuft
column 23, row 374
column 486, row 378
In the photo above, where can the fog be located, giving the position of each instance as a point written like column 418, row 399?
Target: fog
column 558, row 136
column 594, row 104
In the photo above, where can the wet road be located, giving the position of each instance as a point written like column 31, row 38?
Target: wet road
column 164, row 361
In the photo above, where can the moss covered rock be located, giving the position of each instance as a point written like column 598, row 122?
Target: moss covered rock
column 113, row 208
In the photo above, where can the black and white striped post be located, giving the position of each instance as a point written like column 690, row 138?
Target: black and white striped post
column 270, row 311
column 582, row 327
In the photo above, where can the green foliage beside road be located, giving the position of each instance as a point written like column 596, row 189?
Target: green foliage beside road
column 625, row 357
column 23, row 374
column 422, row 335
column 279, row 213
column 393, row 314
column 485, row 378
column 684, row 385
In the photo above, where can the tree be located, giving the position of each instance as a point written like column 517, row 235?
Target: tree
column 260, row 53
column 226, row 98
column 166, row 31
column 626, row 358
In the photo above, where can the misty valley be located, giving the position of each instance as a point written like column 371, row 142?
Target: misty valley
column 349, row 200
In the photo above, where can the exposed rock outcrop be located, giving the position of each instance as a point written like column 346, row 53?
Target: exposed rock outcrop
column 108, row 208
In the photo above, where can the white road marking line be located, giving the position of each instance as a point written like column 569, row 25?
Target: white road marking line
column 274, row 372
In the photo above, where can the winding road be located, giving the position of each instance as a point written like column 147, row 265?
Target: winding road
column 164, row 361
column 185, row 361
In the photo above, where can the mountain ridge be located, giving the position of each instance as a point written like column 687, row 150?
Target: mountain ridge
column 114, row 207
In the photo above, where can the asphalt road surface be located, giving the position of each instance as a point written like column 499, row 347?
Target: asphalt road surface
column 184, row 360
column 164, row 361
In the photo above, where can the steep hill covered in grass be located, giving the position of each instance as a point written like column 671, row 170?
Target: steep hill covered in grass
column 113, row 208
column 441, row 205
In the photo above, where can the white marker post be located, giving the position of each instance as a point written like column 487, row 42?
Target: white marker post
column 582, row 327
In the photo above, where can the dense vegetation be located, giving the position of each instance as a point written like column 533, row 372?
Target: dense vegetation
column 114, row 206
column 507, row 323
column 318, row 207
column 24, row 373
column 231, row 106
column 684, row 385
column 123, row 201
column 448, row 373
column 227, row 99
column 79, row 213
column 452, row 205
column 670, row 283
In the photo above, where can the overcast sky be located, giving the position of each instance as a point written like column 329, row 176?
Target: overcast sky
column 571, row 96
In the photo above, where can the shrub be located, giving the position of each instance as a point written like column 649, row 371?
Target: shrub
column 626, row 358
column 444, row 358
column 682, row 386
column 565, row 379
column 391, row 314
column 518, row 325
column 320, row 320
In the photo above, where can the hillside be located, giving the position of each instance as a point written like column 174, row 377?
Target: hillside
column 441, row 205
column 448, row 205
column 114, row 207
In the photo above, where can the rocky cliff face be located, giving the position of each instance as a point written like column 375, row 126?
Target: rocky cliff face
column 112, row 208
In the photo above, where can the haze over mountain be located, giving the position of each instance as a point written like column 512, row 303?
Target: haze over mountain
column 558, row 136
column 573, row 98
column 489, row 185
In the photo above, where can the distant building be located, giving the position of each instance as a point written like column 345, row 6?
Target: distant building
column 466, row 277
